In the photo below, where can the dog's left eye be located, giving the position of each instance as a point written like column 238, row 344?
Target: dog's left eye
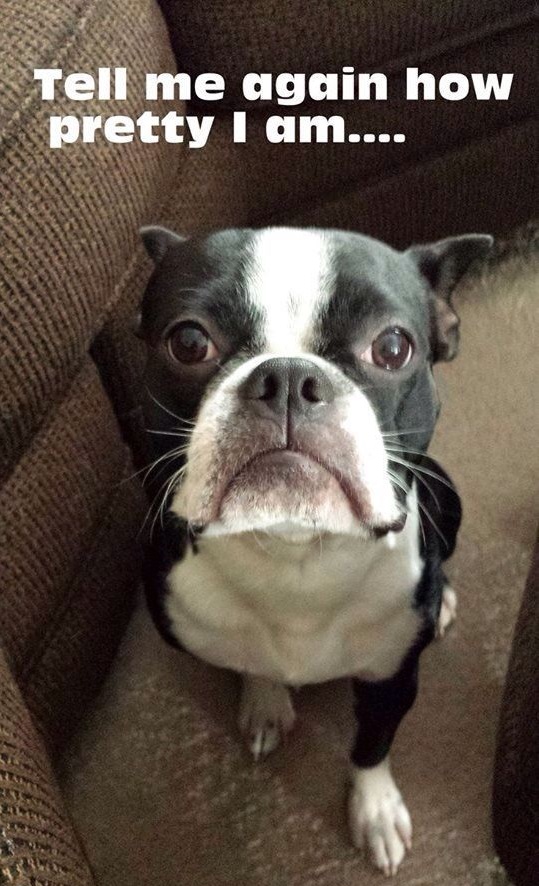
column 391, row 350
column 189, row 342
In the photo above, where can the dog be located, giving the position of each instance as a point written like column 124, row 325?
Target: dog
column 301, row 529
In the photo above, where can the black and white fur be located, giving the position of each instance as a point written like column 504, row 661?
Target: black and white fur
column 301, row 537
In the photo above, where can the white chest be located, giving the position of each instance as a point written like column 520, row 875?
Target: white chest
column 299, row 614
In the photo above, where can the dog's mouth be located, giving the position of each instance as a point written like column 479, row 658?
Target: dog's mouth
column 302, row 470
column 294, row 481
column 326, row 473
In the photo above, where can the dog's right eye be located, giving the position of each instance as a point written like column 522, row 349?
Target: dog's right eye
column 189, row 342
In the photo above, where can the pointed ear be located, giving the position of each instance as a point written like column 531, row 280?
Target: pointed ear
column 442, row 264
column 158, row 241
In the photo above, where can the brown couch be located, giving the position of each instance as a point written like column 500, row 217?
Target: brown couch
column 71, row 275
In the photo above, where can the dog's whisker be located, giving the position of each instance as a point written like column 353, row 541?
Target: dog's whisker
column 223, row 369
column 403, row 433
column 172, row 453
column 161, row 512
column 421, row 480
column 132, row 476
column 147, row 469
column 189, row 422
column 149, row 511
column 392, row 445
column 166, row 465
column 398, row 482
column 161, row 406
column 434, row 524
column 169, row 433
column 404, row 450
column 429, row 489
column 414, row 467
column 402, row 485
column 159, row 500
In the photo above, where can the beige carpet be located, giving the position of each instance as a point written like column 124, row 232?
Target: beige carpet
column 158, row 781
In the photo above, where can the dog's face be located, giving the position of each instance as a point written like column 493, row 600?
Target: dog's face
column 286, row 364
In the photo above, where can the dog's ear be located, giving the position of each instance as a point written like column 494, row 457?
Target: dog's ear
column 158, row 241
column 442, row 264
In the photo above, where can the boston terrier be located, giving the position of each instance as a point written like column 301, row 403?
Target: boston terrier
column 299, row 528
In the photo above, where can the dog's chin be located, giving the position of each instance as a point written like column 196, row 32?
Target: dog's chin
column 291, row 496
column 288, row 495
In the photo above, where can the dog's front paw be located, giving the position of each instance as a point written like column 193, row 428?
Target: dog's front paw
column 379, row 820
column 448, row 611
column 266, row 714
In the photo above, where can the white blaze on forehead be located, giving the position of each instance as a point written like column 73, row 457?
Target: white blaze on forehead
column 289, row 279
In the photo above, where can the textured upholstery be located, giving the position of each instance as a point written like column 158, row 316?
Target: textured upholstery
column 68, row 554
column 485, row 185
column 463, row 188
column 226, row 183
column 37, row 844
column 516, row 776
column 68, row 517
column 237, row 36
column 69, row 218
column 51, row 503
column 69, row 242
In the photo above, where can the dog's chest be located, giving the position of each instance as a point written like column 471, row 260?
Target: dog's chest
column 344, row 608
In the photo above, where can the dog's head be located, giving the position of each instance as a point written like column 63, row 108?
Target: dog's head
column 289, row 373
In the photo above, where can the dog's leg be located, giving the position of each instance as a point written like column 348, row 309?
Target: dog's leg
column 266, row 714
column 448, row 611
column 379, row 820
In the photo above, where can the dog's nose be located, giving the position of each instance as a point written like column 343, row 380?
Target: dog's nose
column 283, row 385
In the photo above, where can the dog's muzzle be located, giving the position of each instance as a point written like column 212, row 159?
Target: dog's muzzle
column 294, row 442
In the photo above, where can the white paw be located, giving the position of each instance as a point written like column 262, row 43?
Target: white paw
column 448, row 611
column 379, row 820
column 266, row 714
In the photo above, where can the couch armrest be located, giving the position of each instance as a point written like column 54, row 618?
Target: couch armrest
column 37, row 842
column 516, row 775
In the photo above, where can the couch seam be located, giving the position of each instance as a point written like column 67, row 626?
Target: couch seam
column 61, row 49
column 57, row 617
column 50, row 415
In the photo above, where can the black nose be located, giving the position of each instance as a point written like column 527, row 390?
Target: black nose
column 283, row 386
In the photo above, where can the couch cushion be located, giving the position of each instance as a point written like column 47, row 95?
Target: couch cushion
column 516, row 783
column 79, row 643
column 69, row 217
column 233, row 37
column 68, row 558
column 257, row 182
column 452, row 193
column 37, row 843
